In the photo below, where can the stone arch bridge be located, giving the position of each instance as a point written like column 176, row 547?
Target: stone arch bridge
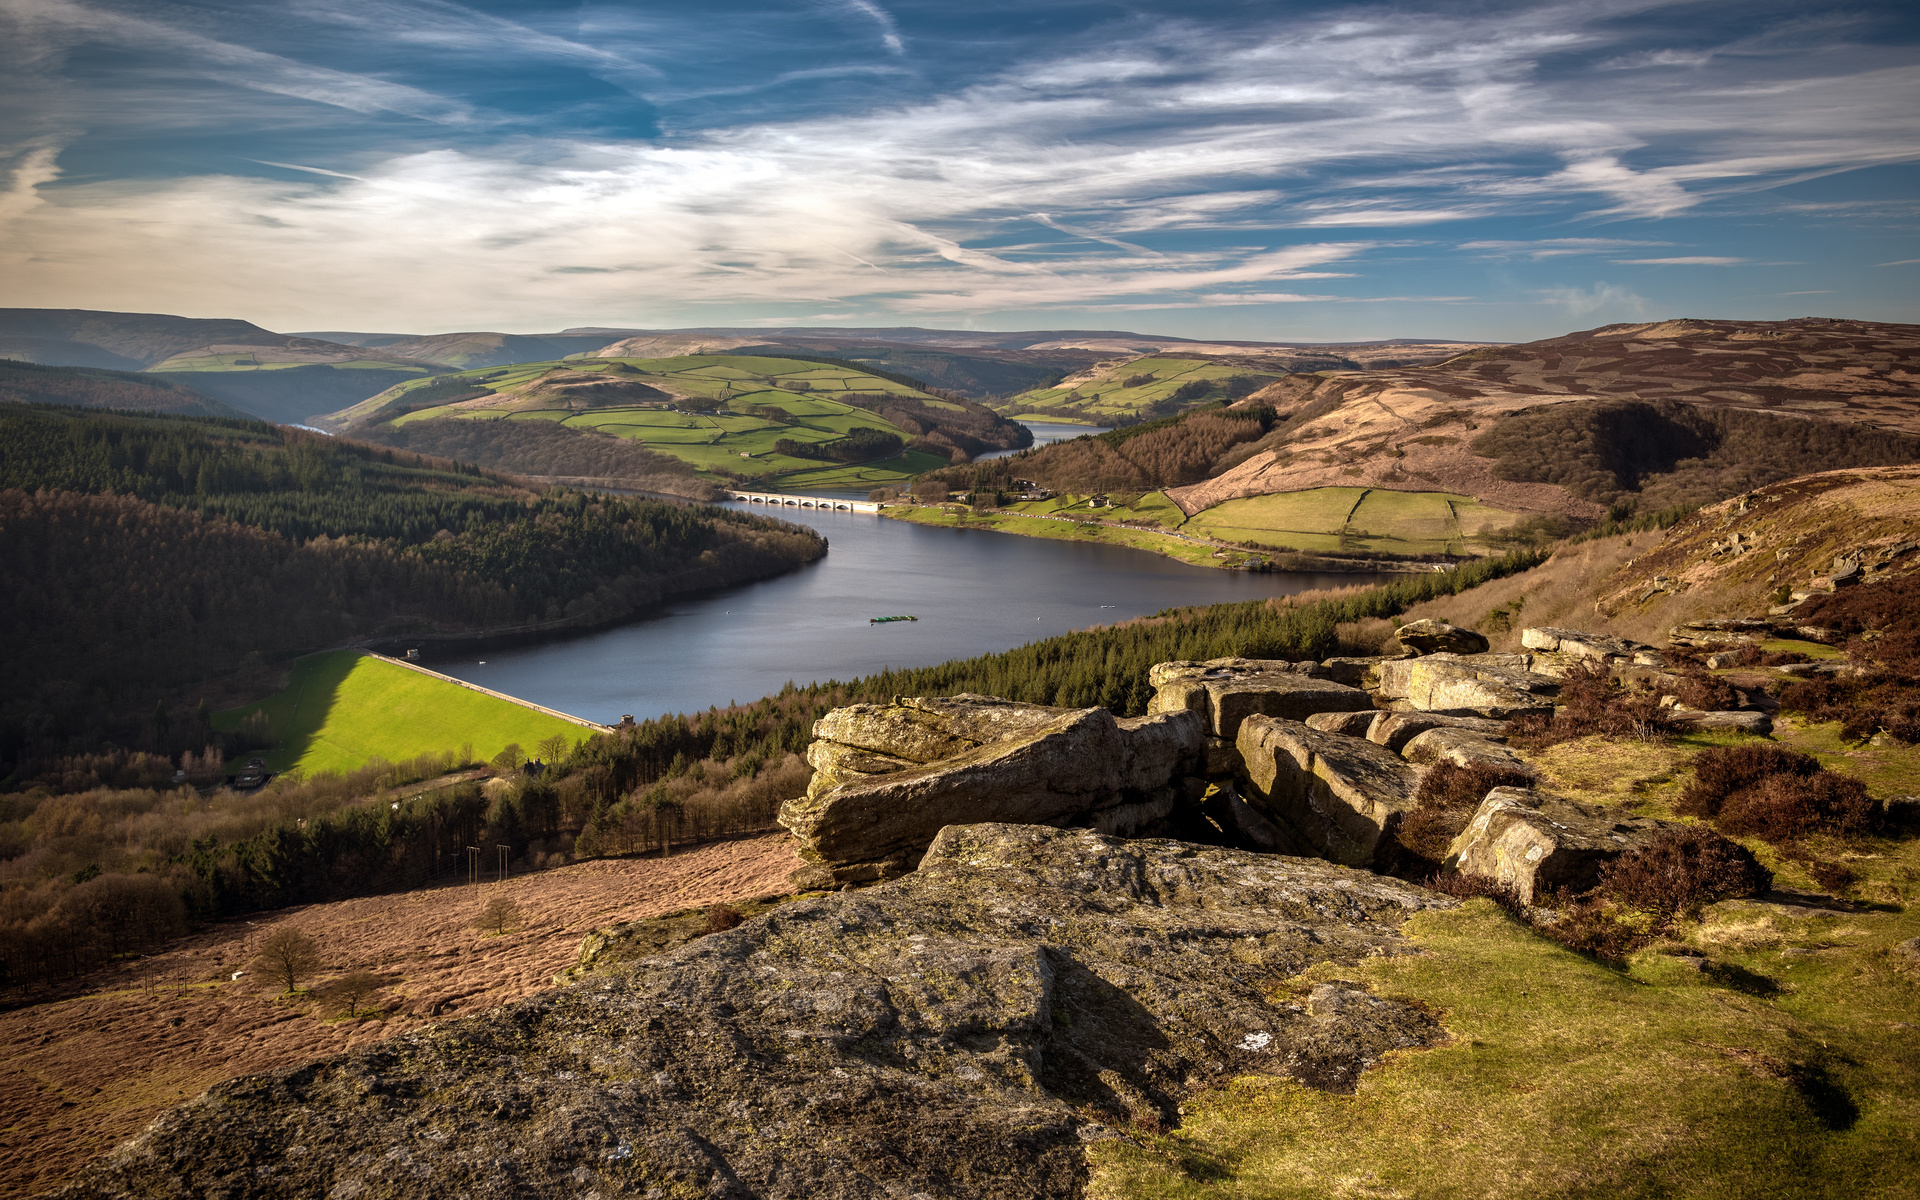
column 792, row 501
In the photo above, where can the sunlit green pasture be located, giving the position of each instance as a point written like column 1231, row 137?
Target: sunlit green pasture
column 343, row 709
column 1328, row 520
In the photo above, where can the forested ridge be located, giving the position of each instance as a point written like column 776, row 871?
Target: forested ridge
column 142, row 556
column 1167, row 452
column 675, row 777
column 96, row 387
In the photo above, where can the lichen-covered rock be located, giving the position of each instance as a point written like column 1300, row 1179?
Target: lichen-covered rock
column 1022, row 763
column 1336, row 795
column 1395, row 729
column 925, row 729
column 1462, row 748
column 1757, row 723
column 960, row 1033
column 1430, row 636
column 1352, row 724
column 1576, row 643
column 1446, row 683
column 1226, row 691
column 1535, row 843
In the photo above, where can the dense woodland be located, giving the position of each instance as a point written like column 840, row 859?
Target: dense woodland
column 959, row 433
column 1168, row 452
column 143, row 556
column 108, row 817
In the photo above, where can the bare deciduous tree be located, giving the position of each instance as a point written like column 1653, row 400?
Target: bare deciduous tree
column 346, row 993
column 499, row 915
column 287, row 956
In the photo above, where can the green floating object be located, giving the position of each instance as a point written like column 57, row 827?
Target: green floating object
column 884, row 620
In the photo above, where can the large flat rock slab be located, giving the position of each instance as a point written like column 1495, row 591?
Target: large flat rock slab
column 872, row 811
column 1338, row 795
column 959, row 1033
column 1226, row 691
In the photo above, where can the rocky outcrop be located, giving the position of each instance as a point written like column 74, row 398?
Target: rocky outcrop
column 1226, row 691
column 1336, row 796
column 962, row 1032
column 1430, row 636
column 1536, row 843
column 1466, row 686
column 888, row 777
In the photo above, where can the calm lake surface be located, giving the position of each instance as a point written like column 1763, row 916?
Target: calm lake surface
column 975, row 592
column 1046, row 433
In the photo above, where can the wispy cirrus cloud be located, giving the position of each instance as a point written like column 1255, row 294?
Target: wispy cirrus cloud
column 1685, row 260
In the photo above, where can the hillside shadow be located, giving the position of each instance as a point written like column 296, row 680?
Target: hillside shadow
column 297, row 713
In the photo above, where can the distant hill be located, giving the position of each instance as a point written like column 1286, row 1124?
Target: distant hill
column 1575, row 423
column 784, row 422
column 275, row 376
column 1509, row 441
column 89, row 387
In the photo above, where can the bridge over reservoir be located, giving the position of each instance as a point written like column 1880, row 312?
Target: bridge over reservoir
column 830, row 502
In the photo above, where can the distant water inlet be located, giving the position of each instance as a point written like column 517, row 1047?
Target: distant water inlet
column 973, row 592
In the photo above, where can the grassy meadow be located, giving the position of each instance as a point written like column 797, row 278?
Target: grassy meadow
column 343, row 709
column 1330, row 520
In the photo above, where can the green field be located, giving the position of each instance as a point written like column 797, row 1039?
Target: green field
column 1332, row 520
column 343, row 709
column 1107, row 392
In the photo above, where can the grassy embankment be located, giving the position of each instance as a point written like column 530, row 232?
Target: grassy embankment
column 731, row 437
column 1112, row 391
column 1322, row 521
column 343, row 709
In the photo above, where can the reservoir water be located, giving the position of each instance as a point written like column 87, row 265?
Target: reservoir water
column 973, row 591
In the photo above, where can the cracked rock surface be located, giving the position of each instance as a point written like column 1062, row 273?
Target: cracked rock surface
column 960, row 1032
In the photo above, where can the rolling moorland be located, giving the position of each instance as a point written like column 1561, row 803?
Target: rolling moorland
column 1491, row 447
column 1613, row 1041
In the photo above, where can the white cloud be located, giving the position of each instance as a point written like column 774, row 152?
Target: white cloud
column 1540, row 248
column 1689, row 260
column 1581, row 302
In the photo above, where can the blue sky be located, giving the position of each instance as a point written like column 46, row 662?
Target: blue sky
column 1237, row 170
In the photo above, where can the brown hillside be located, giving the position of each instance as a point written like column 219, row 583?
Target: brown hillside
column 78, row 1075
column 1414, row 429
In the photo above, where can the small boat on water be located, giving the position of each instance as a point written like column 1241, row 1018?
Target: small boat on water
column 884, row 620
